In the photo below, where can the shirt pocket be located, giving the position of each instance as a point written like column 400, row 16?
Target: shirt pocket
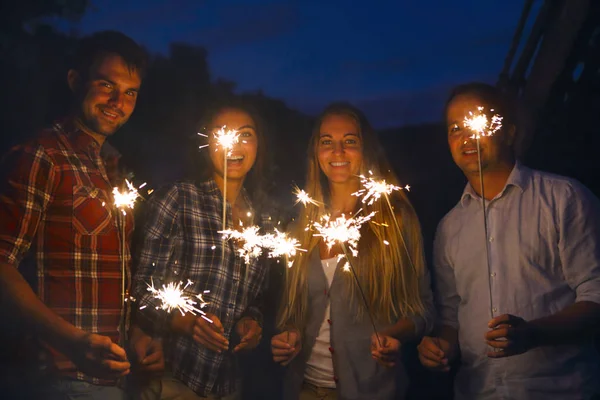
column 91, row 211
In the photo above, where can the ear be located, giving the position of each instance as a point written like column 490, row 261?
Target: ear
column 73, row 80
column 511, row 134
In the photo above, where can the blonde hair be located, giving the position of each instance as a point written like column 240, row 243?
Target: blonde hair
column 388, row 278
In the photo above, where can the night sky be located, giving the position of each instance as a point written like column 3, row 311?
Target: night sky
column 395, row 59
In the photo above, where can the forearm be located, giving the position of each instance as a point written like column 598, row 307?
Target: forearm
column 449, row 334
column 404, row 330
column 20, row 302
column 570, row 325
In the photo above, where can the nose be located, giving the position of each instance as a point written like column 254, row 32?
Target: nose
column 338, row 148
column 116, row 99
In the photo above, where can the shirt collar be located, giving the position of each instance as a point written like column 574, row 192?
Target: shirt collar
column 78, row 139
column 518, row 177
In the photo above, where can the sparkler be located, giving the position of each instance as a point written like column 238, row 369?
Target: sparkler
column 303, row 197
column 226, row 139
column 172, row 296
column 481, row 126
column 346, row 232
column 372, row 191
column 123, row 201
column 253, row 243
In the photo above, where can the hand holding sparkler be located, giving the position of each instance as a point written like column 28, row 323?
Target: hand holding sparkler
column 387, row 352
column 250, row 333
column 286, row 346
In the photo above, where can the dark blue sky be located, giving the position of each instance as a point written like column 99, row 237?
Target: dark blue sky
column 395, row 59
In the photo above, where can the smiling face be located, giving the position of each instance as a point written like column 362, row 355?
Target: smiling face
column 107, row 93
column 496, row 150
column 339, row 149
column 242, row 156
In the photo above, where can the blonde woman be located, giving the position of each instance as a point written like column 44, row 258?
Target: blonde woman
column 326, row 335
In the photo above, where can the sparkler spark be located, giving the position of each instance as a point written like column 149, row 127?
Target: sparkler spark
column 374, row 189
column 303, row 197
column 226, row 139
column 127, row 198
column 480, row 125
column 278, row 244
column 172, row 297
column 341, row 230
column 281, row 244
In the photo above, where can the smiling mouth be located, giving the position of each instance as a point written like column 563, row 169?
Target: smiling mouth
column 470, row 152
column 339, row 163
column 110, row 115
column 235, row 159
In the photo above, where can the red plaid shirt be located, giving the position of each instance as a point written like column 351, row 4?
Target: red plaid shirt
column 59, row 227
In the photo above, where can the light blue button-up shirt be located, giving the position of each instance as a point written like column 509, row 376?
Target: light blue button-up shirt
column 544, row 251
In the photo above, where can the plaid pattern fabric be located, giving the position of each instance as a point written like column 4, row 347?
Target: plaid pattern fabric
column 180, row 243
column 58, row 228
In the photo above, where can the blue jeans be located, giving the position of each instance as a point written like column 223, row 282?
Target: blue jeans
column 68, row 389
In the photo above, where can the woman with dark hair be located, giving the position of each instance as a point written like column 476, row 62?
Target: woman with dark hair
column 327, row 338
column 181, row 242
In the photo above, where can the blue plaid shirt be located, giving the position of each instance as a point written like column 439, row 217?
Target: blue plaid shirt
column 180, row 242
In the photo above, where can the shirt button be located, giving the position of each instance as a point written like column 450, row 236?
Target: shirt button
column 331, row 350
column 329, row 321
column 493, row 274
column 491, row 239
column 494, row 309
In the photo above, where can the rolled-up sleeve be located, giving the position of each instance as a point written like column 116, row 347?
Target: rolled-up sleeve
column 154, row 257
column 579, row 242
column 445, row 293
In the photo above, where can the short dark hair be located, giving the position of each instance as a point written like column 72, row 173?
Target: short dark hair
column 489, row 94
column 94, row 47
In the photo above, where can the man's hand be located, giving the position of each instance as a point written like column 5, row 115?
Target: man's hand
column 510, row 335
column 286, row 346
column 387, row 353
column 148, row 353
column 98, row 356
column 435, row 353
column 250, row 334
column 210, row 334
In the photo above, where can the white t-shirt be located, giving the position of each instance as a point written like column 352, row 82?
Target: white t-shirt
column 319, row 368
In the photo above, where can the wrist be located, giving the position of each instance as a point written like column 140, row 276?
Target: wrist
column 182, row 324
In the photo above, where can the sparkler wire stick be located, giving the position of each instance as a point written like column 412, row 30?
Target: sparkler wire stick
column 122, row 221
column 362, row 293
column 485, row 226
column 481, row 126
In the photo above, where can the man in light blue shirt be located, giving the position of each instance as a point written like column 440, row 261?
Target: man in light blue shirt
column 523, row 323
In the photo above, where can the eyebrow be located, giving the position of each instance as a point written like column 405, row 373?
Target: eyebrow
column 345, row 134
column 246, row 127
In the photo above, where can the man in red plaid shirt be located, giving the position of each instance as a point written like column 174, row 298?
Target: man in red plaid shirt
column 60, row 245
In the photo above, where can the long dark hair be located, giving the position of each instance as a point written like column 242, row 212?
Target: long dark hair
column 200, row 167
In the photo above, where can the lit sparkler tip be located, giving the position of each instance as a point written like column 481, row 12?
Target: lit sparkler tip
column 127, row 198
column 303, row 197
column 341, row 230
column 481, row 125
column 227, row 138
column 373, row 189
column 172, row 297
